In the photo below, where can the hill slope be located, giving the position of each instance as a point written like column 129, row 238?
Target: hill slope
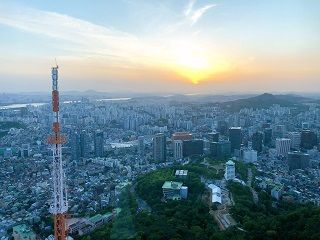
column 264, row 101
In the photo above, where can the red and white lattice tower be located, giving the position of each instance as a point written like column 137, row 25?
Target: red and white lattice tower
column 59, row 205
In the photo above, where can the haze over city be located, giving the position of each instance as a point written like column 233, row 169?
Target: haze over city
column 159, row 120
column 195, row 46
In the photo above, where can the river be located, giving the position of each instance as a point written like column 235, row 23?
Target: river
column 22, row 105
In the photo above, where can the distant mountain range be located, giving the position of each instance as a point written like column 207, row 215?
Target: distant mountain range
column 231, row 102
column 266, row 100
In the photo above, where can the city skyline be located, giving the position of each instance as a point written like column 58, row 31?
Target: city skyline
column 166, row 46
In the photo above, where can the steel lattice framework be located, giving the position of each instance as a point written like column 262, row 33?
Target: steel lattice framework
column 59, row 205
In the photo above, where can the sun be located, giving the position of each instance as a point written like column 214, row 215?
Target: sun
column 194, row 67
column 191, row 64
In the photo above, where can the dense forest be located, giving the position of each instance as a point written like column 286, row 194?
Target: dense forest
column 190, row 219
column 273, row 220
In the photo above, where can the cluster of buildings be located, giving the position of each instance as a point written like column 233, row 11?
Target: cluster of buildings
column 110, row 143
column 23, row 232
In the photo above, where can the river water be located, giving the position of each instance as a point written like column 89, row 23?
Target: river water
column 21, row 105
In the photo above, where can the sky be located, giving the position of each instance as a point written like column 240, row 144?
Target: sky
column 167, row 46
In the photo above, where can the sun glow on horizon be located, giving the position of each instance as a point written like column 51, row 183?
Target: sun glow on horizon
column 161, row 45
column 194, row 64
column 194, row 67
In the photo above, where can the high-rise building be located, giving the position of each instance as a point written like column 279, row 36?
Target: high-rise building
column 25, row 150
column 308, row 139
column 80, row 146
column 159, row 147
column 98, row 144
column 213, row 137
column 131, row 123
column 178, row 149
column 222, row 127
column 249, row 156
column 257, row 141
column 84, row 144
column 279, row 131
column 141, row 147
column 267, row 138
column 230, row 173
column 305, row 125
column 221, row 149
column 283, row 146
column 295, row 138
column 298, row 160
column 75, row 146
column 192, row 147
column 235, row 138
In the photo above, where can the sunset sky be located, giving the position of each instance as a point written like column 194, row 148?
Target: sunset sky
column 182, row 46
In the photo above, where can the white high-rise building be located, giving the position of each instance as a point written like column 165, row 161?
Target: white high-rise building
column 230, row 173
column 295, row 138
column 283, row 146
column 178, row 149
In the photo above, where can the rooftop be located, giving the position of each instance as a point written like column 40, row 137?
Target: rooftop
column 298, row 152
column 172, row 185
column 181, row 172
column 107, row 215
column 181, row 134
column 96, row 218
column 230, row 162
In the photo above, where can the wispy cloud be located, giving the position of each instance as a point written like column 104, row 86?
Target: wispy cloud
column 195, row 14
column 87, row 45
column 78, row 37
column 189, row 7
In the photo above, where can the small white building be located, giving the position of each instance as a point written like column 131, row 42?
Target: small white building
column 215, row 193
column 181, row 173
column 230, row 173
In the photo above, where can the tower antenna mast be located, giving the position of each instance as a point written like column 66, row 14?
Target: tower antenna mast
column 59, row 205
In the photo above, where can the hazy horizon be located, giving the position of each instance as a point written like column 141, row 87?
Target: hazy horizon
column 190, row 46
column 93, row 92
